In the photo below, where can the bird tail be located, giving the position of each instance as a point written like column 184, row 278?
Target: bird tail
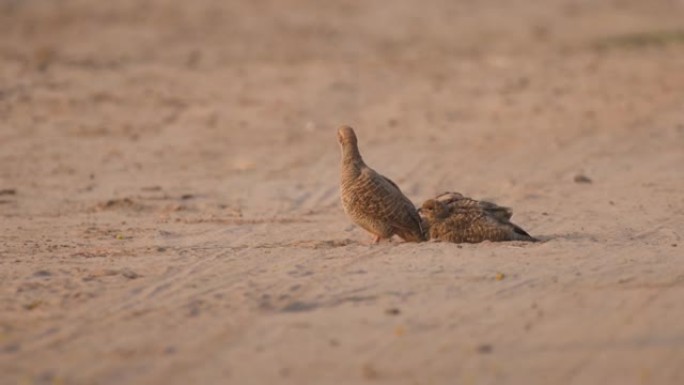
column 521, row 235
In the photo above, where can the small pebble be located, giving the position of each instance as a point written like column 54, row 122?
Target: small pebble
column 33, row 304
column 399, row 331
column 579, row 178
column 393, row 311
column 11, row 348
column 130, row 274
column 369, row 372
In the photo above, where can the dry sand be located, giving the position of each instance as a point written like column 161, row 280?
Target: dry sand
column 170, row 212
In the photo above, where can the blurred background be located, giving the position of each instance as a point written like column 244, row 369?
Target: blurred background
column 219, row 87
column 236, row 103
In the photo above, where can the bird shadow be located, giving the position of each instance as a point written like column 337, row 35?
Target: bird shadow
column 574, row 236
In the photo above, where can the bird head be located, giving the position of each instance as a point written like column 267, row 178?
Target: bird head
column 346, row 135
column 433, row 208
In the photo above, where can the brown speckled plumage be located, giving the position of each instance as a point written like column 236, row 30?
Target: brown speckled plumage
column 371, row 200
column 454, row 200
column 458, row 219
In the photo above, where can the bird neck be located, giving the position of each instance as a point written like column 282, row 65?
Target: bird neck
column 351, row 157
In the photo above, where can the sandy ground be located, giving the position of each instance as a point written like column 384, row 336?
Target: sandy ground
column 170, row 213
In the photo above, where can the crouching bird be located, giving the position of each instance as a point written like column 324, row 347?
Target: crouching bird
column 371, row 200
column 451, row 217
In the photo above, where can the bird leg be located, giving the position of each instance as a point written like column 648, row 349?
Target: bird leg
column 376, row 240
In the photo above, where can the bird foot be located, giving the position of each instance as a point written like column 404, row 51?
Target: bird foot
column 377, row 239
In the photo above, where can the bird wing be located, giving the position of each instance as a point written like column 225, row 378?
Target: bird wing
column 397, row 207
column 480, row 224
column 388, row 180
column 456, row 200
column 501, row 212
column 471, row 225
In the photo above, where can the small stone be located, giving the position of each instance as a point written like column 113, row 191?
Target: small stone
column 33, row 304
column 130, row 274
column 580, row 178
column 284, row 372
column 11, row 348
column 369, row 372
column 393, row 311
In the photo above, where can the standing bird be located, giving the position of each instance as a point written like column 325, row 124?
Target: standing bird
column 371, row 200
column 466, row 220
